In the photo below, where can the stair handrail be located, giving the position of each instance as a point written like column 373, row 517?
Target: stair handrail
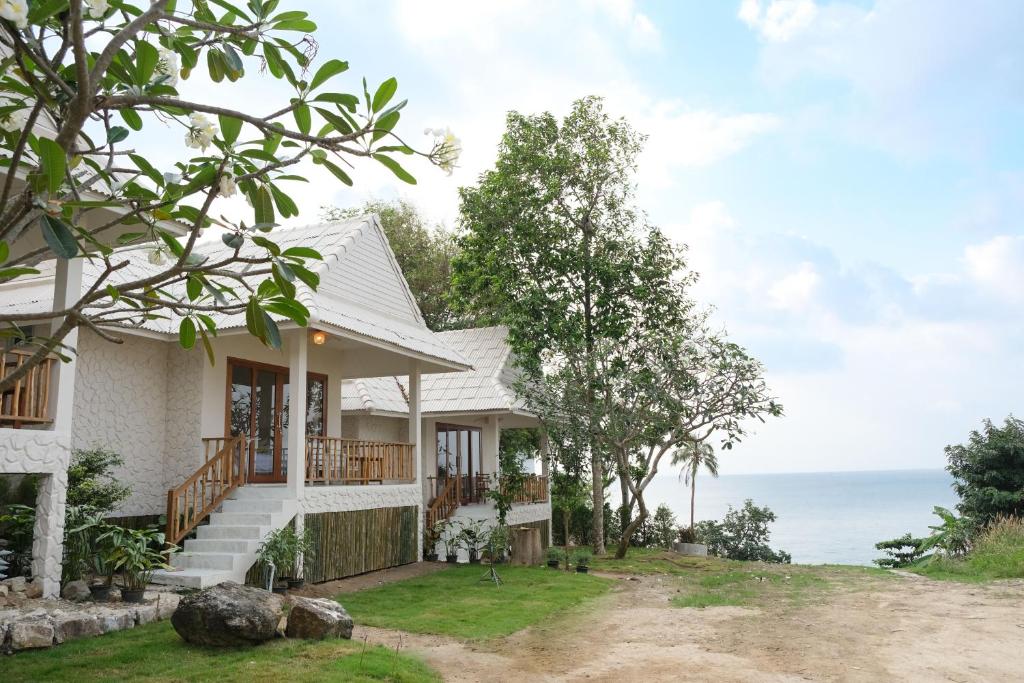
column 443, row 505
column 204, row 491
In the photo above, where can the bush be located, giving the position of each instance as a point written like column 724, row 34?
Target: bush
column 988, row 472
column 998, row 553
column 91, row 481
column 900, row 552
column 742, row 535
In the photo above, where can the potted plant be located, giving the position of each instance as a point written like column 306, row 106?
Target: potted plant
column 688, row 545
column 280, row 551
column 431, row 538
column 554, row 555
column 473, row 538
column 103, row 559
column 137, row 554
column 451, row 541
column 581, row 558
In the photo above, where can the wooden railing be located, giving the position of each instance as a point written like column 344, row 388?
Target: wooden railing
column 206, row 489
column 444, row 503
column 534, row 489
column 28, row 401
column 332, row 460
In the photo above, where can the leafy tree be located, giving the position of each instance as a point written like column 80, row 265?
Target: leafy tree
column 692, row 456
column 664, row 526
column 988, row 472
column 952, row 536
column 742, row 535
column 92, row 482
column 424, row 253
column 548, row 247
column 80, row 78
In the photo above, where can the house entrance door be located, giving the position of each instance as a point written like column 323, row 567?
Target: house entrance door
column 258, row 411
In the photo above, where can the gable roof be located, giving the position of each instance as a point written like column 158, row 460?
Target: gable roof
column 362, row 290
column 488, row 387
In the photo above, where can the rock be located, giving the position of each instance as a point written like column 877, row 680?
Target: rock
column 15, row 584
column 166, row 603
column 76, row 591
column 115, row 620
column 3, row 590
column 71, row 626
column 31, row 633
column 318, row 618
column 228, row 615
column 34, row 589
column 16, row 599
column 145, row 614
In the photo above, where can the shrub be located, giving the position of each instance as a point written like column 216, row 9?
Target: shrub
column 900, row 552
column 742, row 535
column 91, row 481
column 997, row 553
column 952, row 537
column 686, row 535
column 581, row 557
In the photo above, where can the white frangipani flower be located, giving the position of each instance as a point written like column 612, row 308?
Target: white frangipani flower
column 227, row 185
column 15, row 11
column 156, row 257
column 168, row 66
column 96, row 8
column 447, row 148
column 200, row 133
column 15, row 121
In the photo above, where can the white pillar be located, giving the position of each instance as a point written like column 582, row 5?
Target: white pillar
column 297, row 367
column 67, row 289
column 490, row 438
column 416, row 439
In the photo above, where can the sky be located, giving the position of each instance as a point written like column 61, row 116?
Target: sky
column 848, row 177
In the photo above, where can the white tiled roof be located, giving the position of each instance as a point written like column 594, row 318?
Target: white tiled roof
column 488, row 387
column 362, row 289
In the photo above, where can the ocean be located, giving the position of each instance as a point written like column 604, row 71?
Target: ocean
column 823, row 517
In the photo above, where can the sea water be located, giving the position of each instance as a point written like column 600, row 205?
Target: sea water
column 823, row 517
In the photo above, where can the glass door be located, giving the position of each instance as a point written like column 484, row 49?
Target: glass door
column 458, row 456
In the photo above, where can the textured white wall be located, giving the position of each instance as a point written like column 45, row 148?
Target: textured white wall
column 140, row 399
column 346, row 498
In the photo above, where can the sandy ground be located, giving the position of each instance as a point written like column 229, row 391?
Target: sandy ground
column 903, row 628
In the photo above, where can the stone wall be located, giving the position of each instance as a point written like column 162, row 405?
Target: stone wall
column 344, row 498
column 25, row 451
column 141, row 400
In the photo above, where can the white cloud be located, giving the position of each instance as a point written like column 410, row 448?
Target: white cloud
column 778, row 20
column 795, row 291
column 998, row 265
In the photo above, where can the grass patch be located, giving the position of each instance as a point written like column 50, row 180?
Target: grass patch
column 155, row 653
column 455, row 602
column 997, row 554
column 714, row 582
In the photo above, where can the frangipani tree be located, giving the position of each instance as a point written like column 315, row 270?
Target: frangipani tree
column 80, row 78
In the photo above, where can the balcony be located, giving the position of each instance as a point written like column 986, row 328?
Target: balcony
column 336, row 461
column 28, row 401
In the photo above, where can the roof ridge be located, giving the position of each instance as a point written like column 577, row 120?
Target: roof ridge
column 375, row 222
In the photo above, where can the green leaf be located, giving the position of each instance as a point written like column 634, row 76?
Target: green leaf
column 193, row 287
column 338, row 173
column 302, row 118
column 263, row 205
column 395, row 168
column 112, row 292
column 146, row 59
column 116, row 134
column 41, row 11
column 58, row 237
column 308, row 277
column 339, row 123
column 233, row 240
column 272, row 334
column 147, row 169
column 384, row 125
column 229, row 128
column 254, row 320
column 384, row 93
column 187, row 333
column 302, row 252
column 266, row 244
column 132, row 118
column 303, row 25
column 207, row 345
column 172, row 242
column 329, row 69
column 53, row 162
column 8, row 273
column 285, row 205
column 215, row 64
column 350, row 102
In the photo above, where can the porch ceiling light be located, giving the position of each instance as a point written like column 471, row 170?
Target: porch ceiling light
column 319, row 337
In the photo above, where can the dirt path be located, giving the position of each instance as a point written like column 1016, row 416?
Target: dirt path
column 868, row 629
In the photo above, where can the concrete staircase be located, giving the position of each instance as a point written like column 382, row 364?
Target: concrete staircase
column 225, row 548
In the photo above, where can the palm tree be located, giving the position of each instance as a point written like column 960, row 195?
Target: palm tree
column 692, row 457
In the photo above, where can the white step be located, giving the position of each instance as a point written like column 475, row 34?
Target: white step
column 221, row 560
column 192, row 578
column 253, row 505
column 241, row 519
column 252, row 532
column 222, row 545
column 253, row 492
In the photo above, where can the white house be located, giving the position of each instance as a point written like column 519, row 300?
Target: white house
column 213, row 445
column 463, row 414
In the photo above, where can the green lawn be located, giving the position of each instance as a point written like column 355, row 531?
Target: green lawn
column 156, row 653
column 455, row 602
column 713, row 582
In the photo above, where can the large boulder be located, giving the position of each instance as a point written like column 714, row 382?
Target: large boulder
column 76, row 591
column 228, row 615
column 318, row 618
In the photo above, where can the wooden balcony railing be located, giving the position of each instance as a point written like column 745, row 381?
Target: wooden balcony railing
column 206, row 489
column 332, row 460
column 534, row 489
column 28, row 401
